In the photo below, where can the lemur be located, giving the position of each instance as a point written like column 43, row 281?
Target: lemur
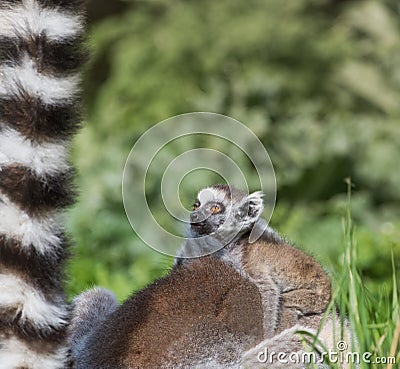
column 292, row 284
column 213, row 305
column 40, row 57
column 203, row 315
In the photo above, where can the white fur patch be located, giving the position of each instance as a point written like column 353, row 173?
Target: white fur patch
column 211, row 194
column 51, row 90
column 16, row 354
column 40, row 233
column 33, row 306
column 206, row 195
column 256, row 198
column 29, row 18
column 46, row 158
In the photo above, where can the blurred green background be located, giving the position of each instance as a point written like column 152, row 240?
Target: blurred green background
column 317, row 80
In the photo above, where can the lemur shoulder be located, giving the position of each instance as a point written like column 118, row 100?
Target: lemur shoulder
column 292, row 284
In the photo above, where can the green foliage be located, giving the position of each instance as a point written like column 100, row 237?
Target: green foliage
column 369, row 333
column 374, row 318
column 317, row 81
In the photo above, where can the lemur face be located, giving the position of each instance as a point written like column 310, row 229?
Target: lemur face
column 223, row 207
column 207, row 217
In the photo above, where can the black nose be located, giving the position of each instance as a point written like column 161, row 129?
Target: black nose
column 195, row 217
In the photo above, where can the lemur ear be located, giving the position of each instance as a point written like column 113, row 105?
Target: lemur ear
column 252, row 207
column 255, row 204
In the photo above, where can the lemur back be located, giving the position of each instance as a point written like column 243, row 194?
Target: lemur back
column 40, row 55
column 200, row 313
column 203, row 314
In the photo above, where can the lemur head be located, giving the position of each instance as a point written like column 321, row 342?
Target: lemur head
column 220, row 208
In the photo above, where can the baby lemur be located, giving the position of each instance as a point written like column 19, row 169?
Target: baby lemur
column 226, row 222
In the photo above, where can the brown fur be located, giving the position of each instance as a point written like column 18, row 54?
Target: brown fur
column 42, row 272
column 39, row 122
column 51, row 57
column 34, row 194
column 301, row 283
column 200, row 310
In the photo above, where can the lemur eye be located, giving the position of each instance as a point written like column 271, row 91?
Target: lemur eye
column 196, row 205
column 215, row 209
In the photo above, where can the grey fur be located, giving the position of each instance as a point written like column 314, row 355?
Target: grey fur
column 240, row 214
column 89, row 309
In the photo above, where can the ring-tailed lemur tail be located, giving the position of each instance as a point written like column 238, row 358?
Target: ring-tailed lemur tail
column 40, row 55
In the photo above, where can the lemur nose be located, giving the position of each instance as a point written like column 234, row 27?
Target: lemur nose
column 195, row 217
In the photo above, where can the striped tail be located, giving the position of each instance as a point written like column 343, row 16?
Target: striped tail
column 40, row 54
